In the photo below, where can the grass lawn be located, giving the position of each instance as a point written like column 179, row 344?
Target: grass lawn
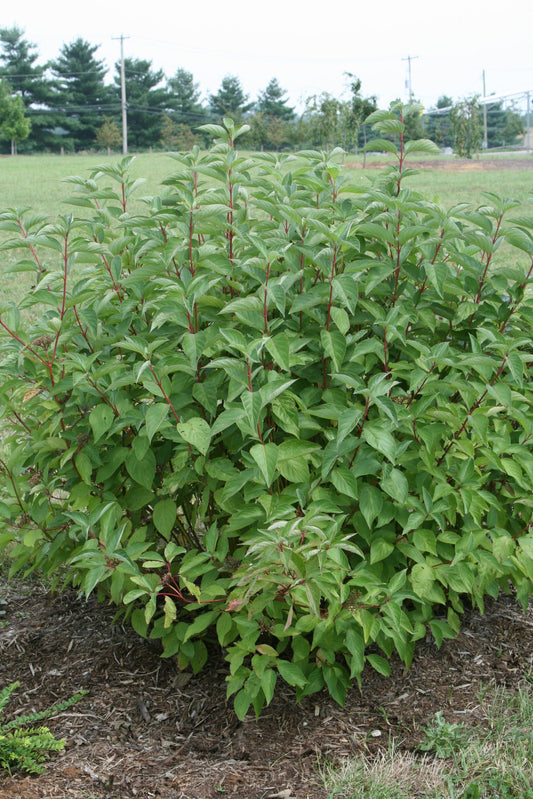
column 37, row 181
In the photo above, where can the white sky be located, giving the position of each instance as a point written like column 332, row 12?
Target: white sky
column 306, row 44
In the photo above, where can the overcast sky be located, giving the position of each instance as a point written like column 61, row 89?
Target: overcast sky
column 307, row 45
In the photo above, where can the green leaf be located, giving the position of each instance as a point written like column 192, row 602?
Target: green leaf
column 84, row 467
column 370, row 503
column 334, row 344
column 356, row 647
column 164, row 516
column 421, row 146
column 380, row 439
column 225, row 628
column 142, row 471
column 268, row 684
column 266, row 457
column 341, row 320
column 101, row 419
column 396, row 485
column 200, row 624
column 272, row 390
column 292, row 459
column 344, row 481
column 196, row 432
column 279, row 348
column 138, row 622
column 138, row 497
column 291, row 673
column 380, row 550
column 348, row 419
column 241, row 704
column 422, row 579
column 379, row 664
column 155, row 416
column 381, row 146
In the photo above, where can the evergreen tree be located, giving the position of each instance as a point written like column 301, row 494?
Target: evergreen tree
column 503, row 125
column 28, row 80
column 185, row 99
column 147, row 101
column 230, row 100
column 80, row 93
column 271, row 102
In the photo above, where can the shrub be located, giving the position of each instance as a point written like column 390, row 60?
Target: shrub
column 273, row 409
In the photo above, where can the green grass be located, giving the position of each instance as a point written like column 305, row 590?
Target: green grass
column 489, row 759
column 37, row 181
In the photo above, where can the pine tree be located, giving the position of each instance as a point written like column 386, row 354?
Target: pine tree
column 80, row 94
column 271, row 102
column 230, row 100
column 185, row 99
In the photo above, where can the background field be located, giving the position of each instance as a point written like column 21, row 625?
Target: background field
column 37, row 181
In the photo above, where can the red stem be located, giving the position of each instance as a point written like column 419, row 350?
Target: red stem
column 158, row 382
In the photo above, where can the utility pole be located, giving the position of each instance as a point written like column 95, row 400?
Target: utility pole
column 409, row 81
column 485, row 133
column 123, row 95
column 527, row 122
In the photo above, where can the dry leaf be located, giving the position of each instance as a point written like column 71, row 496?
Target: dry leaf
column 31, row 393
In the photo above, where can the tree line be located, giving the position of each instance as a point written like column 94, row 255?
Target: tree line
column 67, row 105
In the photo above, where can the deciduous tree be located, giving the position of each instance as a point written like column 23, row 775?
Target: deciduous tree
column 109, row 135
column 28, row 79
column 465, row 118
column 14, row 125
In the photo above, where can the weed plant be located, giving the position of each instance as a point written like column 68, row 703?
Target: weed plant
column 23, row 746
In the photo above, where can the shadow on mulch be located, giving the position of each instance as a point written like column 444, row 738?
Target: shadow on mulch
column 146, row 730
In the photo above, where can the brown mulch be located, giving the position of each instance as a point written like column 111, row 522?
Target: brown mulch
column 454, row 164
column 146, row 730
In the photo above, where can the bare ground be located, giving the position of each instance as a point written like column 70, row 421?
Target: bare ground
column 146, row 730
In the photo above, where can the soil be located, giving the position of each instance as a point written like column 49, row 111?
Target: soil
column 146, row 730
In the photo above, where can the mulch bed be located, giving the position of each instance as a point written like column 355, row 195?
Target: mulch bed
column 147, row 730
